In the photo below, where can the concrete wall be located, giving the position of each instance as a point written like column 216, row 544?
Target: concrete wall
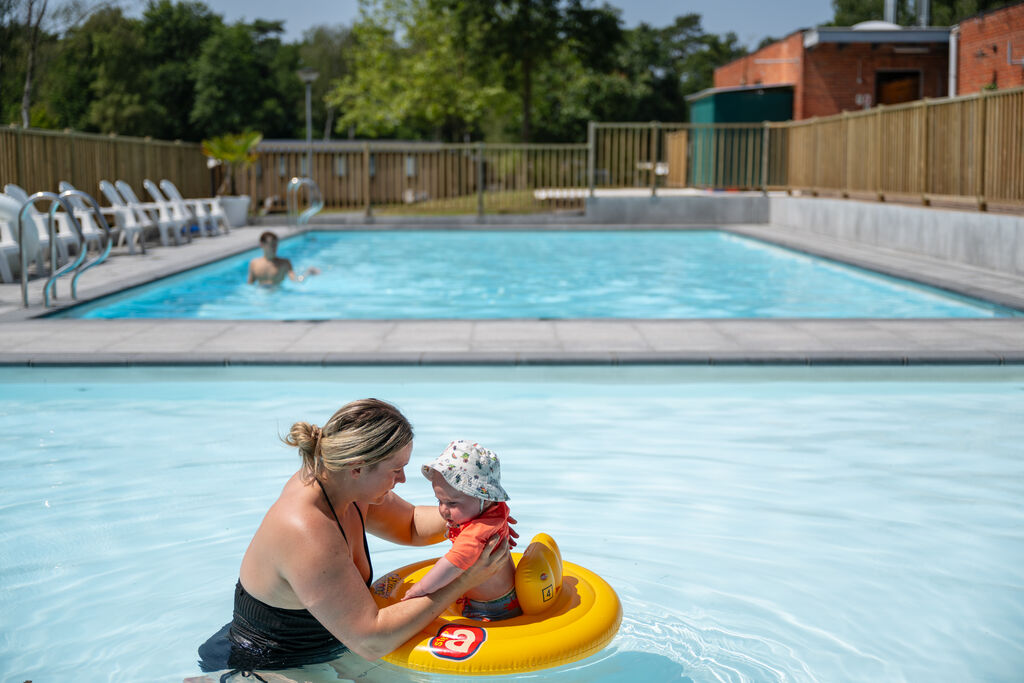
column 678, row 210
column 989, row 241
column 984, row 240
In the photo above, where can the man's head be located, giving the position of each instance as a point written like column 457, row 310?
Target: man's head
column 268, row 241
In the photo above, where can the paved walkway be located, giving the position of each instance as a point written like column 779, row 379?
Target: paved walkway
column 27, row 339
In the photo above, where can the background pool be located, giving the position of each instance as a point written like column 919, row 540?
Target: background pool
column 759, row 524
column 552, row 274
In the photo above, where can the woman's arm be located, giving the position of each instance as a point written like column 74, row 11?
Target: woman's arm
column 399, row 521
column 329, row 585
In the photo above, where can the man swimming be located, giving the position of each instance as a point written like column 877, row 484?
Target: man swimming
column 270, row 269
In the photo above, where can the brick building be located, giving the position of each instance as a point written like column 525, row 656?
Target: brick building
column 835, row 69
column 988, row 50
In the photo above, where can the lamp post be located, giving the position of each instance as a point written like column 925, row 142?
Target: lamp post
column 307, row 76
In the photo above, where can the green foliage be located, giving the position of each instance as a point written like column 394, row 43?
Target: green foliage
column 243, row 76
column 450, row 70
column 943, row 12
column 175, row 33
column 328, row 50
column 234, row 150
column 514, row 39
column 422, row 86
column 95, row 82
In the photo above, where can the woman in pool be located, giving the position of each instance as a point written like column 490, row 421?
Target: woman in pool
column 303, row 591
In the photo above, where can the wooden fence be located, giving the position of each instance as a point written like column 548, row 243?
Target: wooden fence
column 952, row 151
column 394, row 177
column 39, row 159
column 966, row 151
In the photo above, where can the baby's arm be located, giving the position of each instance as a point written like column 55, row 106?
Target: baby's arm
column 440, row 575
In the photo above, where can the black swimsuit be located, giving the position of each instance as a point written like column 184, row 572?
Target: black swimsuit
column 261, row 636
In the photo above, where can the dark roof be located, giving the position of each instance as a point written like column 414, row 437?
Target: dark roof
column 707, row 92
column 846, row 34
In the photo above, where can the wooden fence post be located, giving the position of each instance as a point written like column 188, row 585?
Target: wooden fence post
column 878, row 151
column 766, row 132
column 368, row 196
column 591, row 153
column 655, row 131
column 480, row 179
column 982, row 148
column 924, row 151
column 19, row 158
column 848, row 156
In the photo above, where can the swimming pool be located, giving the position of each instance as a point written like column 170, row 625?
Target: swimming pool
column 528, row 274
column 758, row 524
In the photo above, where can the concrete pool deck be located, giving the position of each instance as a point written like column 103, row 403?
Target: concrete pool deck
column 26, row 339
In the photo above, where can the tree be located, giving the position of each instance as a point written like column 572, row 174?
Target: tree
column 174, row 36
column 35, row 12
column 245, row 80
column 327, row 50
column 943, row 12
column 520, row 36
column 419, row 86
column 234, row 151
column 8, row 51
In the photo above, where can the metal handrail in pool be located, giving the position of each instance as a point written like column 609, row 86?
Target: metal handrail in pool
column 316, row 200
column 101, row 221
column 56, row 202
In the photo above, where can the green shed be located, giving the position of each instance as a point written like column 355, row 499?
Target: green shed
column 743, row 104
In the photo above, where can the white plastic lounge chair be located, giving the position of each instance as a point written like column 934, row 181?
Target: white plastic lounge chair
column 8, row 244
column 131, row 221
column 168, row 225
column 176, row 210
column 8, row 249
column 64, row 236
column 209, row 207
column 10, row 209
column 86, row 220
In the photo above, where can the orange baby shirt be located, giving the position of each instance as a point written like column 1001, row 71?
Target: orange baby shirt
column 468, row 539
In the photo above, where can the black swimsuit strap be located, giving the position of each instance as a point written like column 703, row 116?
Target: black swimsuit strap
column 366, row 546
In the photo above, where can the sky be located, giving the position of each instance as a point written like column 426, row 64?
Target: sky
column 750, row 20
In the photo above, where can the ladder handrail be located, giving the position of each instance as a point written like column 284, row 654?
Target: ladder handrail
column 316, row 200
column 56, row 201
column 101, row 221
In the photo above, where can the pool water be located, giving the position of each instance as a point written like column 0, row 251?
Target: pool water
column 524, row 274
column 779, row 524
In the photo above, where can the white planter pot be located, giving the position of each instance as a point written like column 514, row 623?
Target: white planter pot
column 236, row 208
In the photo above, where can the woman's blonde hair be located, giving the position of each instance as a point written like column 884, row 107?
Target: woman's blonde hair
column 361, row 434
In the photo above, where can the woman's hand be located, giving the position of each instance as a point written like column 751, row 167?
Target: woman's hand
column 489, row 562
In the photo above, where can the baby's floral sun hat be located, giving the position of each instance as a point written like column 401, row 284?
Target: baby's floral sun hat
column 471, row 469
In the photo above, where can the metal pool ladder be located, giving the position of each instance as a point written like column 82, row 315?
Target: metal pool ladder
column 316, row 200
column 79, row 265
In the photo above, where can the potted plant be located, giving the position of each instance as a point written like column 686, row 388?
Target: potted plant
column 235, row 152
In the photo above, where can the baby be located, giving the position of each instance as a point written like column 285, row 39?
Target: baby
column 467, row 483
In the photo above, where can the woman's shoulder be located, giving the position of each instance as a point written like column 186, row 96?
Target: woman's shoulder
column 296, row 517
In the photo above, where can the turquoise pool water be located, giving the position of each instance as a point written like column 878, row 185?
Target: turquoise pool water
column 758, row 524
column 552, row 274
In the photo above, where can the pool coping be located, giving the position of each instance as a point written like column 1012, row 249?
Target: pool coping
column 26, row 340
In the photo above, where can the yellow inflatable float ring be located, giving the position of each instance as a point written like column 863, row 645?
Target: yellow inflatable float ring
column 568, row 613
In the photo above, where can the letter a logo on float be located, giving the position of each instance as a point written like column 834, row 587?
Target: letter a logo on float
column 457, row 642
